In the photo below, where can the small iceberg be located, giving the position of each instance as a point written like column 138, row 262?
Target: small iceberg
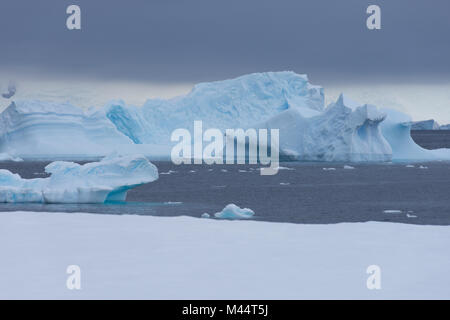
column 347, row 167
column 70, row 182
column 233, row 212
column 328, row 169
column 205, row 215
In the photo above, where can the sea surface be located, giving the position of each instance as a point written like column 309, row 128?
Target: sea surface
column 301, row 192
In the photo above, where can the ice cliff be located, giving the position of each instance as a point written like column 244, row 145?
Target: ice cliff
column 343, row 131
column 69, row 182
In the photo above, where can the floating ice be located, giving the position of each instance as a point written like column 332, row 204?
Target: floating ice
column 410, row 166
column 284, row 183
column 168, row 172
column 328, row 169
column 284, row 168
column 347, row 167
column 392, row 211
column 344, row 131
column 35, row 128
column 205, row 215
column 233, row 212
column 8, row 157
column 95, row 182
column 423, row 167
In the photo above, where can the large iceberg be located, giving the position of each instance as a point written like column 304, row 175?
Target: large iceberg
column 33, row 128
column 237, row 103
column 343, row 131
column 94, row 182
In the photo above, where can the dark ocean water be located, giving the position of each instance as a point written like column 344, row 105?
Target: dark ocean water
column 432, row 139
column 304, row 193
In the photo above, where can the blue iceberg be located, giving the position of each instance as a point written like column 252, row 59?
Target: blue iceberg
column 69, row 182
column 343, row 131
column 233, row 212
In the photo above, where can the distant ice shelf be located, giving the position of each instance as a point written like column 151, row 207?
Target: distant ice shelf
column 95, row 182
column 343, row 131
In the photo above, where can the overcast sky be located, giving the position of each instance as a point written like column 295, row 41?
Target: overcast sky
column 186, row 41
column 191, row 40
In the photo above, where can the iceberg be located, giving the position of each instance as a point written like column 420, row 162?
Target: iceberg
column 425, row 125
column 8, row 157
column 343, row 131
column 397, row 130
column 70, row 182
column 233, row 212
column 36, row 128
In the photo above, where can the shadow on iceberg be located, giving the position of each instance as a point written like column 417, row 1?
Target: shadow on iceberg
column 94, row 182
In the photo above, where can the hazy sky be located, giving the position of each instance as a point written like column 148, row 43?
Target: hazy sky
column 186, row 41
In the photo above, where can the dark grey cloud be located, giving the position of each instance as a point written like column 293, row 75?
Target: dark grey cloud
column 196, row 40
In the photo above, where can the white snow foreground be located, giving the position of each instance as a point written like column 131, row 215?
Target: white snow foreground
column 143, row 257
column 94, row 182
column 344, row 131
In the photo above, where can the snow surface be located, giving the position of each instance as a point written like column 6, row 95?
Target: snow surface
column 148, row 257
column 233, row 212
column 70, row 182
column 344, row 131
